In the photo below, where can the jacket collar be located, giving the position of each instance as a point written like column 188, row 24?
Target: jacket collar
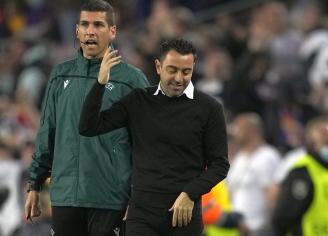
column 88, row 67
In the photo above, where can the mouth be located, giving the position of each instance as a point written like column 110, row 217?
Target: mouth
column 90, row 42
column 177, row 86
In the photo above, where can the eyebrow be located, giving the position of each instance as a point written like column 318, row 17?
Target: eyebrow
column 92, row 22
column 177, row 68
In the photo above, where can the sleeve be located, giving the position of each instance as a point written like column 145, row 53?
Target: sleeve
column 42, row 157
column 95, row 122
column 296, row 195
column 216, row 155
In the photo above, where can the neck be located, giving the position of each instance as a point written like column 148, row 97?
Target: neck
column 167, row 94
column 252, row 145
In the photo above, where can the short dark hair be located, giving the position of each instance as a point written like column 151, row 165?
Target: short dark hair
column 102, row 6
column 182, row 46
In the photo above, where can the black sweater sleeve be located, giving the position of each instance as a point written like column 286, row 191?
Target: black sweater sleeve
column 216, row 155
column 95, row 122
column 296, row 195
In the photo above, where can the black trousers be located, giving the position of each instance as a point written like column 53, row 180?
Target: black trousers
column 155, row 221
column 78, row 221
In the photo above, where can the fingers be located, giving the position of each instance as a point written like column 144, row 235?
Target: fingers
column 110, row 55
column 175, row 217
column 181, row 216
column 126, row 214
column 28, row 211
column 36, row 211
column 189, row 215
column 32, row 208
column 185, row 217
column 110, row 59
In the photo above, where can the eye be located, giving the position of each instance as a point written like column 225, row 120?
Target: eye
column 186, row 72
column 99, row 24
column 171, row 70
column 84, row 24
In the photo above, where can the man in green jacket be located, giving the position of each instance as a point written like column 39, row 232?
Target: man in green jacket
column 90, row 177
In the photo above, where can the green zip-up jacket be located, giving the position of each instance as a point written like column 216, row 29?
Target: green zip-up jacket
column 85, row 172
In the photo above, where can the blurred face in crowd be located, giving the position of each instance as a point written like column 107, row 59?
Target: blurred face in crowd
column 94, row 33
column 175, row 71
column 239, row 130
column 319, row 136
column 246, row 128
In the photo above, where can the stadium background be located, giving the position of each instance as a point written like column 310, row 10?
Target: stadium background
column 267, row 57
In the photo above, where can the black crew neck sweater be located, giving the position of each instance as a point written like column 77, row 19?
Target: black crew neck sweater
column 179, row 144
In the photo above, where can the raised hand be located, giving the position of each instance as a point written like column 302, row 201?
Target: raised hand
column 110, row 59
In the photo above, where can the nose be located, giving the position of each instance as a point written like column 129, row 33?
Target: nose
column 179, row 77
column 90, row 30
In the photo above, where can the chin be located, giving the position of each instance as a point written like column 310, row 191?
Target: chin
column 91, row 54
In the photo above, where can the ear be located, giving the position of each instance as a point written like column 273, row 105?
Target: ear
column 77, row 31
column 112, row 32
column 158, row 66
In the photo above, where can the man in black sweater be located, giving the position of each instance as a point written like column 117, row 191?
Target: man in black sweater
column 179, row 142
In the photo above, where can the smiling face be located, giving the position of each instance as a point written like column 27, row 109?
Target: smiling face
column 94, row 33
column 175, row 71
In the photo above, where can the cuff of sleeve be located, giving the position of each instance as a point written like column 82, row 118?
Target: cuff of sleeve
column 99, row 85
column 192, row 195
column 33, row 186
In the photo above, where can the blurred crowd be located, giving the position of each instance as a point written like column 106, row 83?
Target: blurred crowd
column 266, row 61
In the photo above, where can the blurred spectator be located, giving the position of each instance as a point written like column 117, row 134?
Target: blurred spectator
column 14, row 20
column 218, row 217
column 31, row 81
column 217, row 66
column 10, row 178
column 4, row 192
column 304, row 191
column 318, row 78
column 11, row 65
column 250, row 179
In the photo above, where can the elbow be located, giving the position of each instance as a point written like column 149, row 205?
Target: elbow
column 86, row 133
column 227, row 167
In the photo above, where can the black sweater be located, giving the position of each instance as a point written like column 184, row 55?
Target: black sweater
column 179, row 144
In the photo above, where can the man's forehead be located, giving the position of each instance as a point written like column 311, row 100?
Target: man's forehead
column 173, row 58
column 93, row 16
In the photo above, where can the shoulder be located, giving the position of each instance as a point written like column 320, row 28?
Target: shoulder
column 270, row 151
column 297, row 178
column 144, row 92
column 205, row 98
column 65, row 67
column 135, row 95
column 151, row 89
column 271, row 155
column 131, row 74
column 208, row 105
